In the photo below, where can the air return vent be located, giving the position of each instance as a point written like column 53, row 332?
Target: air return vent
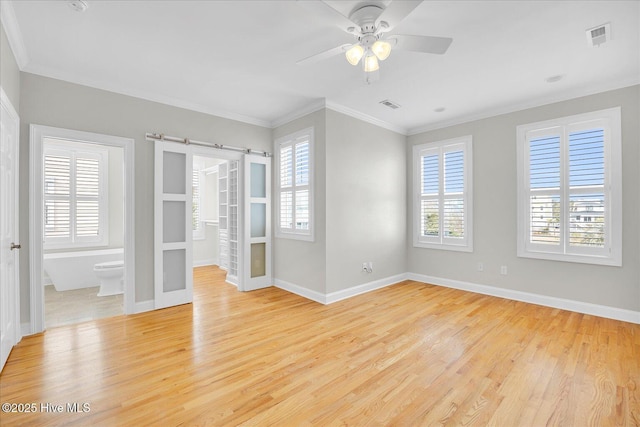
column 390, row 104
column 599, row 35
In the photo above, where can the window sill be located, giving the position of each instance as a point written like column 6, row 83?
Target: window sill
column 443, row 247
column 72, row 246
column 293, row 236
column 580, row 259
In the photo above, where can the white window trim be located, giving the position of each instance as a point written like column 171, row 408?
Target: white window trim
column 441, row 242
column 612, row 253
column 305, row 235
column 103, row 203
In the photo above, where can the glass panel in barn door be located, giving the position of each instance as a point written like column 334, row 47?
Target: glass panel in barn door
column 173, row 234
column 257, row 222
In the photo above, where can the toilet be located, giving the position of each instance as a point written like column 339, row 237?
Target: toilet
column 110, row 276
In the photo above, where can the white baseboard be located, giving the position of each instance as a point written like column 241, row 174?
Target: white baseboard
column 204, row 262
column 299, row 290
column 25, row 329
column 364, row 288
column 142, row 306
column 548, row 301
column 339, row 295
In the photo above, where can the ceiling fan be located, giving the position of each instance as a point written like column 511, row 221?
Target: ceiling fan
column 371, row 24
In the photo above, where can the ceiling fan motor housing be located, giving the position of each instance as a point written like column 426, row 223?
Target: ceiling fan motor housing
column 366, row 17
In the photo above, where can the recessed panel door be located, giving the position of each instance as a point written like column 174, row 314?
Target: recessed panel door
column 257, row 223
column 173, row 235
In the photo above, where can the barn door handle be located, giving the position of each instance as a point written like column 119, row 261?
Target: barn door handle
column 14, row 246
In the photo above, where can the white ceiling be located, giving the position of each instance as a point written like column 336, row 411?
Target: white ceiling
column 237, row 59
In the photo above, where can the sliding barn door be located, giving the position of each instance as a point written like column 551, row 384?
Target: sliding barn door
column 257, row 222
column 173, row 224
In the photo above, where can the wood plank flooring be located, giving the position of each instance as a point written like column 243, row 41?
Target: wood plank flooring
column 410, row 354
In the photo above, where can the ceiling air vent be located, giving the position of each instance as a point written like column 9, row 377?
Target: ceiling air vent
column 599, row 35
column 390, row 104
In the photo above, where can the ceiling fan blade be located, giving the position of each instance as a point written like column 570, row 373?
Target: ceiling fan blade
column 322, row 12
column 425, row 44
column 324, row 55
column 396, row 12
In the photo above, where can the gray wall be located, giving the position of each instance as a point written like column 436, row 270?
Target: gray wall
column 57, row 103
column 366, row 202
column 300, row 262
column 495, row 192
column 359, row 206
column 9, row 71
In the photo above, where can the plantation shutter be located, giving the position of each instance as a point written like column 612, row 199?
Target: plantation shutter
column 544, row 188
column 294, row 185
column 87, row 197
column 443, row 197
column 57, row 197
column 74, row 197
column 587, row 214
column 453, row 226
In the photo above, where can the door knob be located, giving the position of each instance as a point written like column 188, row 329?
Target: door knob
column 14, row 246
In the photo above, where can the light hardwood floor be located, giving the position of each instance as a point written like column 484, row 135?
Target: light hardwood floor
column 410, row 354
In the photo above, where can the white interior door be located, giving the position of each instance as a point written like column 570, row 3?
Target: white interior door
column 9, row 271
column 257, row 223
column 173, row 225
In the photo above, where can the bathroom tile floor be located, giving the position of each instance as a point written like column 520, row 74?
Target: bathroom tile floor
column 80, row 305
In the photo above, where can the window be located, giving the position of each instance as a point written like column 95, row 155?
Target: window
column 443, row 199
column 75, row 197
column 197, row 189
column 569, row 189
column 294, row 176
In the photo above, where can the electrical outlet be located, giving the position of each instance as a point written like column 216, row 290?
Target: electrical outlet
column 367, row 267
column 503, row 270
column 480, row 266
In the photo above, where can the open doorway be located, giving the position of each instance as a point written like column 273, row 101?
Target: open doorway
column 215, row 216
column 83, row 233
column 81, row 226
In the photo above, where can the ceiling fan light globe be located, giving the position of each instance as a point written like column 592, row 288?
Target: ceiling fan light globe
column 371, row 64
column 381, row 49
column 354, row 54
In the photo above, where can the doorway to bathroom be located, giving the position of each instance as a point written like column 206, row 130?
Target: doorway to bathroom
column 80, row 226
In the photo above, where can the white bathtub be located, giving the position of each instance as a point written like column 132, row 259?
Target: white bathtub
column 74, row 270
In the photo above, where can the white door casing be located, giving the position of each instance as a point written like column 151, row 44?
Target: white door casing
column 257, row 223
column 173, row 235
column 9, row 257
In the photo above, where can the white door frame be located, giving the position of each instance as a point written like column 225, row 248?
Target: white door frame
column 37, row 133
column 15, row 335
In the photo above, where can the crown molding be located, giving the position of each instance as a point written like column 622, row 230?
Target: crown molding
column 537, row 102
column 366, row 118
column 314, row 106
column 14, row 35
column 324, row 103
